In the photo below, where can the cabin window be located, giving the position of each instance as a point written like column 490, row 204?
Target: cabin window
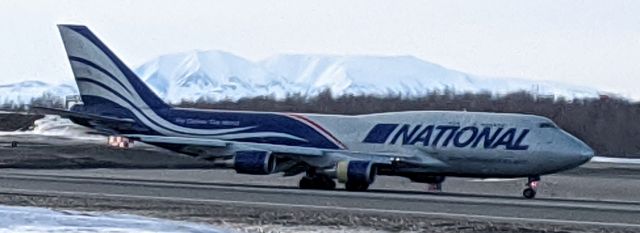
column 547, row 125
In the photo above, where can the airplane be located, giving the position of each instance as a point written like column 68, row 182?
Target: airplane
column 423, row 146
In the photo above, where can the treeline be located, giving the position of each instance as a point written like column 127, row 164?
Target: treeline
column 608, row 125
column 45, row 100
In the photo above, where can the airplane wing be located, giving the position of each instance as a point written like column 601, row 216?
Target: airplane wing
column 295, row 151
column 217, row 143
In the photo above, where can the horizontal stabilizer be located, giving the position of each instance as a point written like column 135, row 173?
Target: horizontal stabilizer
column 79, row 115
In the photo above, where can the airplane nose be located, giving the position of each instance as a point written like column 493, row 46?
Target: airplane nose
column 584, row 152
column 575, row 152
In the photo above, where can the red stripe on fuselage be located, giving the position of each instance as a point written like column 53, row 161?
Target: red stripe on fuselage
column 315, row 125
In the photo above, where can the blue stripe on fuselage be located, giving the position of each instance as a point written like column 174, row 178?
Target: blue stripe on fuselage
column 106, row 107
column 89, row 104
column 380, row 133
column 264, row 122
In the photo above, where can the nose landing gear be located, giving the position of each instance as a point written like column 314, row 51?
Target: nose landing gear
column 435, row 187
column 436, row 184
column 531, row 187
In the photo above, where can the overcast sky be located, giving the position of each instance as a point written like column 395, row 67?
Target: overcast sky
column 592, row 43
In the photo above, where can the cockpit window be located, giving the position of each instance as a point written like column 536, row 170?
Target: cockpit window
column 547, row 125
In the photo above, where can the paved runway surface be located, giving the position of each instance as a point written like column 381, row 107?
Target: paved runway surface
column 602, row 195
column 482, row 207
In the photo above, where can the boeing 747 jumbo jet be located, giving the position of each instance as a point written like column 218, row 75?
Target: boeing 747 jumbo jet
column 424, row 146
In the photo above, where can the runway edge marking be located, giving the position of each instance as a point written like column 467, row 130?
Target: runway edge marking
column 317, row 207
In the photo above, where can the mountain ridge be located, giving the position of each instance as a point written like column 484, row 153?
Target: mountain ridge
column 310, row 74
column 213, row 75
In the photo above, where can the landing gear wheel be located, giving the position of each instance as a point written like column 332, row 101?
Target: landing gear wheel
column 435, row 187
column 529, row 193
column 306, row 183
column 317, row 182
column 356, row 186
column 324, row 182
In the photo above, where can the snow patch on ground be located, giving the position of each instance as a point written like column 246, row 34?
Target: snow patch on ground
column 58, row 126
column 32, row 219
column 304, row 229
column 53, row 125
column 599, row 159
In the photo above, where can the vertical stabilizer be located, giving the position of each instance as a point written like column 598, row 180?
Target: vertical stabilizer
column 102, row 78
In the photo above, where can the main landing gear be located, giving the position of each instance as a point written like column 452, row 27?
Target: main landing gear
column 314, row 180
column 356, row 186
column 531, row 187
column 434, row 182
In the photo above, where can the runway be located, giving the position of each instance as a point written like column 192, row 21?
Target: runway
column 381, row 201
column 596, row 196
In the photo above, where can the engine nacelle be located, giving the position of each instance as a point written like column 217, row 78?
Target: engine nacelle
column 355, row 171
column 254, row 162
column 427, row 179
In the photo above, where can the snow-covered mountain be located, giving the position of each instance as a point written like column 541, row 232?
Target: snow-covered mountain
column 400, row 75
column 213, row 75
column 25, row 92
column 216, row 75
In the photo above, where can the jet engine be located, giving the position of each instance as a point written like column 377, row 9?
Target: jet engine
column 254, row 162
column 356, row 172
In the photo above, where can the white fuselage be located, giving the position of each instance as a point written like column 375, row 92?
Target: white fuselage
column 512, row 144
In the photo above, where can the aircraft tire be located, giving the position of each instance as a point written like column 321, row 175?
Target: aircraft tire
column 306, row 183
column 356, row 186
column 317, row 182
column 529, row 193
column 324, row 182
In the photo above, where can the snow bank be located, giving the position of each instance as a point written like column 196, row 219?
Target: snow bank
column 57, row 126
column 599, row 159
column 53, row 125
column 32, row 219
